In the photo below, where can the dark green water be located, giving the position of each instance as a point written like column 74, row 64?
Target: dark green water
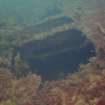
column 56, row 56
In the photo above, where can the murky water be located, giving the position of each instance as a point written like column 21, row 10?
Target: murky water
column 52, row 52
column 56, row 56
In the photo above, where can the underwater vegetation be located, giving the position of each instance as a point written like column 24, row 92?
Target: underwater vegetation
column 18, row 86
column 85, row 87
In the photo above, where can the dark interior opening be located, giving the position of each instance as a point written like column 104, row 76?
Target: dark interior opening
column 58, row 55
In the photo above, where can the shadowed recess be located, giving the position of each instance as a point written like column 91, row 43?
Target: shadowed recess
column 58, row 55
